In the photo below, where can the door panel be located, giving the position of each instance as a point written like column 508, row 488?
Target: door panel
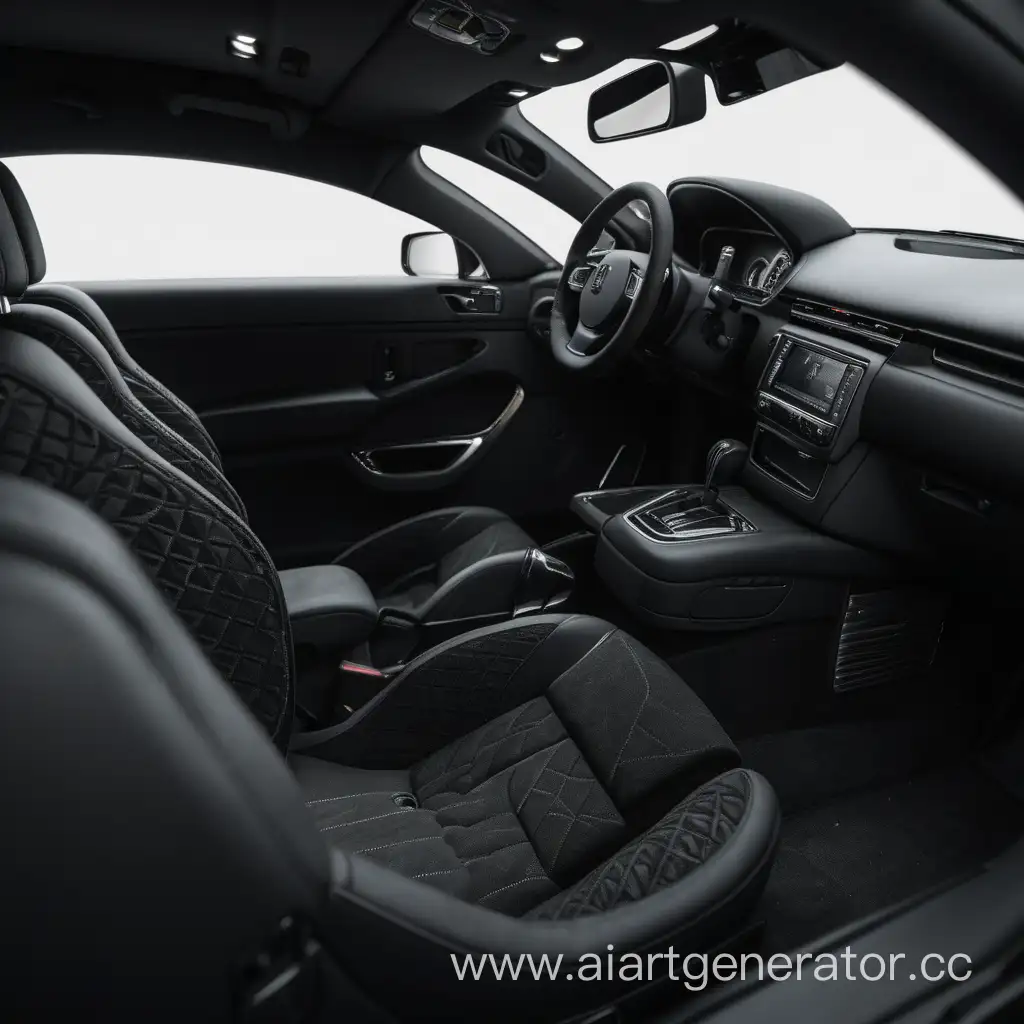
column 327, row 397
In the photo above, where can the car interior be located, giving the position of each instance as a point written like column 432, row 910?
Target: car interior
column 659, row 592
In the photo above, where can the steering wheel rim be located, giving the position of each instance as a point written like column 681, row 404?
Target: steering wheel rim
column 610, row 320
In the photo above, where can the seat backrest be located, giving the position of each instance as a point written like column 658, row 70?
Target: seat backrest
column 91, row 361
column 158, row 843
column 205, row 560
column 154, row 396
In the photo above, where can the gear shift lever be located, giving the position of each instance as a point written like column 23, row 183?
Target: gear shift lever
column 726, row 460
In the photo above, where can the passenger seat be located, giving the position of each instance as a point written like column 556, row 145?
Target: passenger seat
column 544, row 787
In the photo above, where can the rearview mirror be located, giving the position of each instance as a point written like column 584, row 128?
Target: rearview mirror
column 437, row 254
column 651, row 99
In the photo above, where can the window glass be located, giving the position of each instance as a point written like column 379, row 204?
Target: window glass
column 837, row 135
column 536, row 217
column 135, row 217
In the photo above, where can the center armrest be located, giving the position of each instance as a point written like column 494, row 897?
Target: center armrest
column 328, row 605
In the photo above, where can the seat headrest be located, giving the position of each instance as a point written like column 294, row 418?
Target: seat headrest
column 22, row 258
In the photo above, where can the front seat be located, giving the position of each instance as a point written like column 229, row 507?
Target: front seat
column 167, row 861
column 447, row 565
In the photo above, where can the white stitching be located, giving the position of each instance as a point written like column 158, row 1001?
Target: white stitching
column 359, row 821
column 640, row 710
column 522, row 881
column 349, row 796
column 401, row 842
column 431, row 874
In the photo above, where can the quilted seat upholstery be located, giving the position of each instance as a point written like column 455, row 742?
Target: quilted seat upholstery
column 158, row 399
column 586, row 801
column 204, row 559
column 603, row 780
column 80, row 350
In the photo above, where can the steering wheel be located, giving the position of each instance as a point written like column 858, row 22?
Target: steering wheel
column 601, row 311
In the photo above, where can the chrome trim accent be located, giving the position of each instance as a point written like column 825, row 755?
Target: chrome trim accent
column 471, row 444
column 747, row 527
column 5, row 304
column 611, row 466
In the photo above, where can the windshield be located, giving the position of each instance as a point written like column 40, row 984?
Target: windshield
column 837, row 135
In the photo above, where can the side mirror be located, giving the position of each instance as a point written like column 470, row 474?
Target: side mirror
column 437, row 254
column 651, row 99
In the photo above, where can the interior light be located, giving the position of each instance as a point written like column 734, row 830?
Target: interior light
column 244, row 47
column 550, row 58
column 693, row 37
column 519, row 94
column 569, row 44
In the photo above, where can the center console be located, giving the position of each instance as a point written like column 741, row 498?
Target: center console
column 808, row 389
column 748, row 547
column 808, row 404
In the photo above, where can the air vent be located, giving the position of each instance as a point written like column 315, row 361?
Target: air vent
column 842, row 322
column 887, row 636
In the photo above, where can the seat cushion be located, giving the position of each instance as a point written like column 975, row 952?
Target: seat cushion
column 514, row 813
column 407, row 564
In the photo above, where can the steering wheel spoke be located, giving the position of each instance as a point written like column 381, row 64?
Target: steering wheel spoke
column 584, row 341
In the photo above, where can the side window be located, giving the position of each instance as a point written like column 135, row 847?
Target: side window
column 135, row 217
column 538, row 218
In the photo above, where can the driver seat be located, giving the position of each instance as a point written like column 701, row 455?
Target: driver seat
column 451, row 564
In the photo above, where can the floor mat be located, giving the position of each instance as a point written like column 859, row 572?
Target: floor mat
column 858, row 854
column 807, row 767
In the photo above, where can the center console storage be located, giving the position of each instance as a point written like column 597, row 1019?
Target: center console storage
column 331, row 611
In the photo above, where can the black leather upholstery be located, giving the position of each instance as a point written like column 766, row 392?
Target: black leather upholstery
column 450, row 564
column 328, row 604
column 91, row 361
column 207, row 562
column 18, row 230
column 159, row 400
column 159, row 837
column 173, row 846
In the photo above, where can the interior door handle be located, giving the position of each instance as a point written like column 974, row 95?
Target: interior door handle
column 485, row 298
column 457, row 453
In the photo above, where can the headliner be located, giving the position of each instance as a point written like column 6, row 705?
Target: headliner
column 369, row 68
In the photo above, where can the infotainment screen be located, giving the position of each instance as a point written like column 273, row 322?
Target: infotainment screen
column 811, row 377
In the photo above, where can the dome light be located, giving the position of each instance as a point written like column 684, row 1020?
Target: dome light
column 550, row 58
column 569, row 44
column 519, row 94
column 244, row 47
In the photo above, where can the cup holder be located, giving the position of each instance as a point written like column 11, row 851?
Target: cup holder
column 406, row 801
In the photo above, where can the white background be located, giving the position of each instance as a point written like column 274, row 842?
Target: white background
column 836, row 135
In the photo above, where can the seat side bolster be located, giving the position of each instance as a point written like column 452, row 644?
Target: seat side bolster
column 423, row 927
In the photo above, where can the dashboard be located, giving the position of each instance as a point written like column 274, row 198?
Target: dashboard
column 883, row 371
column 754, row 260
